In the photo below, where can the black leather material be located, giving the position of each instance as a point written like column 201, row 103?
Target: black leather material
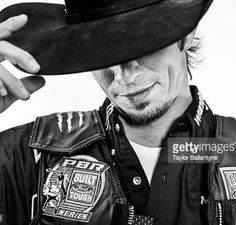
column 222, row 212
column 226, row 128
column 222, row 201
column 225, row 134
column 66, row 132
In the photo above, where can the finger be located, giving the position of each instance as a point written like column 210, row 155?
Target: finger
column 33, row 83
column 12, row 24
column 18, row 56
column 3, row 90
column 13, row 85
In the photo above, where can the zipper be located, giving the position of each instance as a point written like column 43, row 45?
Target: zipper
column 220, row 213
column 131, row 215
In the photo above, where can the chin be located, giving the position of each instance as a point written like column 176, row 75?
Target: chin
column 142, row 115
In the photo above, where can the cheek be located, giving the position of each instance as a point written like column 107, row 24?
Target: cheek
column 104, row 80
column 176, row 73
column 172, row 77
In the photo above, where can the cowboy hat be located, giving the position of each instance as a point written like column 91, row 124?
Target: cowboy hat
column 91, row 34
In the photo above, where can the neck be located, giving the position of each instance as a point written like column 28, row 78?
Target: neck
column 153, row 134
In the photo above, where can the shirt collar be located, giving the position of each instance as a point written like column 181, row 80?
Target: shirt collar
column 199, row 115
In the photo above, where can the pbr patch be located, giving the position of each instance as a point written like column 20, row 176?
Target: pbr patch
column 229, row 179
column 73, row 187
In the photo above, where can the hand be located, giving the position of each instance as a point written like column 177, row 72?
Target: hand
column 11, row 88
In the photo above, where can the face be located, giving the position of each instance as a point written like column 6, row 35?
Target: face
column 144, row 89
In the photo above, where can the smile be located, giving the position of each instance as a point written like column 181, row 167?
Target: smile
column 138, row 96
column 137, row 92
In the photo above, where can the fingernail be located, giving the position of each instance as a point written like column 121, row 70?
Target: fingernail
column 21, row 17
column 25, row 94
column 34, row 65
column 3, row 92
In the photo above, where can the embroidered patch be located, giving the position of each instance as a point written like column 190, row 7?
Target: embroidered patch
column 229, row 179
column 201, row 106
column 109, row 111
column 68, row 117
column 73, row 187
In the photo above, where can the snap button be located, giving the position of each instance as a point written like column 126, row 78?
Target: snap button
column 137, row 180
column 117, row 127
column 113, row 151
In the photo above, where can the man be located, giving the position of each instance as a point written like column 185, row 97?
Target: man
column 110, row 166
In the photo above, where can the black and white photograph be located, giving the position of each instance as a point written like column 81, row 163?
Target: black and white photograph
column 117, row 112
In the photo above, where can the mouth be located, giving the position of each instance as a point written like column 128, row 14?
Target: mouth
column 140, row 91
column 139, row 95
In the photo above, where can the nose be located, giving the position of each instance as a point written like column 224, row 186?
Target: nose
column 126, row 73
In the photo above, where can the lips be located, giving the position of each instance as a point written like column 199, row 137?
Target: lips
column 140, row 91
column 138, row 96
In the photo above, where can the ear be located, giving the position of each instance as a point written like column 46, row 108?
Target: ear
column 188, row 40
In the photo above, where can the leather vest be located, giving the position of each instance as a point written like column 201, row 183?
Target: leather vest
column 78, row 181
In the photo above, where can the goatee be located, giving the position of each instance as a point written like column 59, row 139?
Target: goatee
column 145, row 118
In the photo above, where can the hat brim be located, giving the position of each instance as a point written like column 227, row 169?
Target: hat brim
column 62, row 49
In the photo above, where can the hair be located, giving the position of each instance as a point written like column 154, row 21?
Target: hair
column 193, row 57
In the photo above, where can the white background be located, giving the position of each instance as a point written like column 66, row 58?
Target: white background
column 215, row 77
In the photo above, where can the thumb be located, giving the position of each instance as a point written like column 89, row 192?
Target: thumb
column 32, row 84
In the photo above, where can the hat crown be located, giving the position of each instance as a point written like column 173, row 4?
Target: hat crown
column 75, row 6
column 86, row 10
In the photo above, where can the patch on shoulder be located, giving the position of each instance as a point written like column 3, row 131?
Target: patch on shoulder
column 66, row 132
column 67, row 118
column 73, row 187
column 228, row 175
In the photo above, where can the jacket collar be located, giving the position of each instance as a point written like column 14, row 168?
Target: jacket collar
column 66, row 132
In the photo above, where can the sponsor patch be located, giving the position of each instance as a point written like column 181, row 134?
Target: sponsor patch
column 229, row 179
column 73, row 187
